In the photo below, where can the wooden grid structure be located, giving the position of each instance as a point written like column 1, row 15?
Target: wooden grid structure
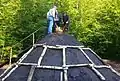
column 64, row 67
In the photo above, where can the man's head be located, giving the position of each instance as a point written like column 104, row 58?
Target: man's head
column 64, row 14
column 55, row 7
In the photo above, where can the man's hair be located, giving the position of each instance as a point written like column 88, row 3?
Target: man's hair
column 55, row 6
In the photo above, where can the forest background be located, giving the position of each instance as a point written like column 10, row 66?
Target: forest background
column 95, row 23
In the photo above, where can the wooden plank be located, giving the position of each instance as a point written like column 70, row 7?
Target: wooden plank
column 42, row 55
column 64, row 65
column 25, row 55
column 86, row 56
column 3, row 79
column 31, row 73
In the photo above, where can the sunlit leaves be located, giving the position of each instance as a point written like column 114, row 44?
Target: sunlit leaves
column 95, row 23
column 19, row 18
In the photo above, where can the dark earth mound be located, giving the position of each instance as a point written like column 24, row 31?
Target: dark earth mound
column 59, row 39
column 54, row 57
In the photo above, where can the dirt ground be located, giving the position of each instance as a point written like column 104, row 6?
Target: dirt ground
column 114, row 64
column 2, row 69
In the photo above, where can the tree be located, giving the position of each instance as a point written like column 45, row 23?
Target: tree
column 96, row 24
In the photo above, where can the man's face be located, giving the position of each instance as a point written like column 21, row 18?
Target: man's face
column 55, row 7
column 65, row 14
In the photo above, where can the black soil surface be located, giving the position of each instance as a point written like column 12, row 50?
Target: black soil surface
column 59, row 39
column 54, row 57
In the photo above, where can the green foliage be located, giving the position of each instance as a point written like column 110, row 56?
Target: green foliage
column 18, row 19
column 96, row 23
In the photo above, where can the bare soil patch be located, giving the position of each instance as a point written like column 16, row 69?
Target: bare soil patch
column 114, row 64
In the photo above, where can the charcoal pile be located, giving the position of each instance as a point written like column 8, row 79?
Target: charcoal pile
column 59, row 39
column 1, row 71
column 59, row 57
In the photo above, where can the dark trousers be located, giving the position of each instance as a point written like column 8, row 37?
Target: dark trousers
column 65, row 27
column 57, row 23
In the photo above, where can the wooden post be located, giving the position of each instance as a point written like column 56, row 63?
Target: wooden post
column 10, row 59
column 2, row 52
column 33, row 38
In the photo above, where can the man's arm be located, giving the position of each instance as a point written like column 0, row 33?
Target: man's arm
column 53, row 12
column 67, row 19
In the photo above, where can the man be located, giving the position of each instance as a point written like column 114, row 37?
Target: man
column 50, row 17
column 65, row 22
column 56, row 21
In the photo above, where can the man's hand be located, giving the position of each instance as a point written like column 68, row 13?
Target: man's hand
column 67, row 22
column 56, row 19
